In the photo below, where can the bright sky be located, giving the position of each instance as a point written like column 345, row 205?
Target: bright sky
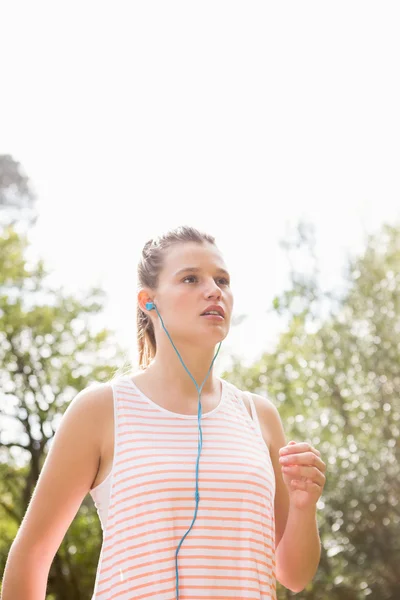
column 236, row 118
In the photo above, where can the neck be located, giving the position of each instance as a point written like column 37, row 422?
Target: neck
column 167, row 368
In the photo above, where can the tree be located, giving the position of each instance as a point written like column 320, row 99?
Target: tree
column 335, row 378
column 49, row 351
column 17, row 199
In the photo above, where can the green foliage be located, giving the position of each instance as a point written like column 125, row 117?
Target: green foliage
column 49, row 351
column 335, row 380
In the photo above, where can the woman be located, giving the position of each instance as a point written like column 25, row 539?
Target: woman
column 184, row 467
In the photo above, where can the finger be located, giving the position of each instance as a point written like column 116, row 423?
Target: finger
column 298, row 447
column 309, row 473
column 306, row 459
column 305, row 485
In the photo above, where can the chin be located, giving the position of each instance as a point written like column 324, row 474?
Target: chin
column 213, row 336
column 204, row 338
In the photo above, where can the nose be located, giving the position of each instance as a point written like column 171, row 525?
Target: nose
column 213, row 290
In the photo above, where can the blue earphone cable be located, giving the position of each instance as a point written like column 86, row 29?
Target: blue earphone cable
column 151, row 306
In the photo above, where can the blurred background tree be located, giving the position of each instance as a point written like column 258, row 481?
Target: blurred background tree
column 335, row 378
column 17, row 198
column 49, row 351
column 333, row 374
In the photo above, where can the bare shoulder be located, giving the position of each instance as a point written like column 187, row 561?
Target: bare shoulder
column 99, row 401
column 270, row 422
column 274, row 436
column 97, row 397
column 94, row 404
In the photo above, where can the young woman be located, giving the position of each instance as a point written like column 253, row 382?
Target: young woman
column 193, row 499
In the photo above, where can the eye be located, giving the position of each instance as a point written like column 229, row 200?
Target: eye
column 223, row 279
column 190, row 277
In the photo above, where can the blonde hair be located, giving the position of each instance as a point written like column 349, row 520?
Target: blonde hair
column 148, row 272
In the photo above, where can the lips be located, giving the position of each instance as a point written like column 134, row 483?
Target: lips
column 215, row 307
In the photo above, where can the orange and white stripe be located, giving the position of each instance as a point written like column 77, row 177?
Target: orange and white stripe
column 147, row 503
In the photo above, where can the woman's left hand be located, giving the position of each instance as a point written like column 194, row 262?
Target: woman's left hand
column 303, row 474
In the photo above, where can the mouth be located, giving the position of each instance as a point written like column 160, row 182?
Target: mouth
column 213, row 317
column 214, row 310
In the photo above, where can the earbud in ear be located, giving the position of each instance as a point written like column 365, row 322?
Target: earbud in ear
column 149, row 305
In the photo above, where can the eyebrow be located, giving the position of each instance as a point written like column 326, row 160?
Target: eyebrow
column 196, row 270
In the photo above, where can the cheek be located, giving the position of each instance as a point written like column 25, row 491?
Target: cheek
column 179, row 304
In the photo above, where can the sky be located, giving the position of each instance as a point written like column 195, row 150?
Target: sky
column 240, row 119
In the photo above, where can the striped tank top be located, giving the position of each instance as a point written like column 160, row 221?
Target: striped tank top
column 147, row 503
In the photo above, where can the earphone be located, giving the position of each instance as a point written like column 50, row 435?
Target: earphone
column 152, row 306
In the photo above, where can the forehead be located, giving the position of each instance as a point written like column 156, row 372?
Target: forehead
column 192, row 254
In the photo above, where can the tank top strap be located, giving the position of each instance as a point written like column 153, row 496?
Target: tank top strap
column 253, row 412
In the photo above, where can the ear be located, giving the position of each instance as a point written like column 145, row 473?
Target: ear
column 142, row 298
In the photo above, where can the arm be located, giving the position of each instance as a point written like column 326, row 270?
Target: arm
column 299, row 551
column 25, row 575
column 66, row 477
column 296, row 537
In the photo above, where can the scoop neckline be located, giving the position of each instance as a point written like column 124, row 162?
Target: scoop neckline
column 176, row 414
